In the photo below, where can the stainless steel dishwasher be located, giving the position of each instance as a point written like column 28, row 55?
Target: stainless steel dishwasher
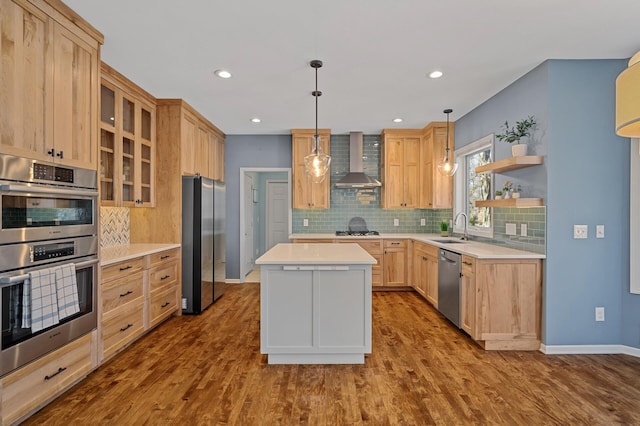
column 449, row 268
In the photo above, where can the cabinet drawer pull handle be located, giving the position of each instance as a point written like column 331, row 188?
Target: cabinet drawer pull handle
column 51, row 152
column 395, row 244
column 165, row 277
column 165, row 304
column 60, row 154
column 126, row 267
column 467, row 263
column 164, row 257
column 127, row 327
column 126, row 294
column 60, row 370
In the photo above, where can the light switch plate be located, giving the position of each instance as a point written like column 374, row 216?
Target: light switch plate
column 305, row 222
column 423, row 222
column 510, row 228
column 523, row 229
column 396, row 222
column 599, row 231
column 599, row 313
column 580, row 232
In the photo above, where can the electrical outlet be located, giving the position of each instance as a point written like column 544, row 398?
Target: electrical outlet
column 396, row 222
column 305, row 222
column 599, row 231
column 599, row 313
column 423, row 222
column 523, row 229
column 510, row 228
column 580, row 232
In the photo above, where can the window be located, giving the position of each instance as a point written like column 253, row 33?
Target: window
column 470, row 187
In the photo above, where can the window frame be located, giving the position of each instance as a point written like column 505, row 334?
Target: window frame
column 460, row 201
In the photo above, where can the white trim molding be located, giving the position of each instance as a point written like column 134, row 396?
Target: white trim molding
column 590, row 350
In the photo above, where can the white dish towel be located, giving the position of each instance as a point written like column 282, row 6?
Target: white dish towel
column 67, row 286
column 44, row 301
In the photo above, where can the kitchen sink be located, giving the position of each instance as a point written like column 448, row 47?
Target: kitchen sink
column 449, row 241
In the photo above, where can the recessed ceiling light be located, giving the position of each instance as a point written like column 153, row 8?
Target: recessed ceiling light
column 398, row 120
column 255, row 120
column 436, row 74
column 222, row 73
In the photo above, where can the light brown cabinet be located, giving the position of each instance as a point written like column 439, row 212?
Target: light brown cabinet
column 395, row 263
column 374, row 248
column 436, row 190
column 425, row 271
column 187, row 143
column 32, row 386
column 400, row 168
column 49, row 99
column 306, row 193
column 501, row 302
column 127, row 142
column 136, row 295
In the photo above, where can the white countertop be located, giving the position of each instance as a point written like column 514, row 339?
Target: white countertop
column 114, row 254
column 316, row 254
column 469, row 248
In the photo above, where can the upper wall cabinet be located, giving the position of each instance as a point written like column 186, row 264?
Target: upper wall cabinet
column 49, row 60
column 400, row 168
column 436, row 190
column 127, row 142
column 306, row 193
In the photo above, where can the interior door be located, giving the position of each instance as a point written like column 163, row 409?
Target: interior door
column 248, row 224
column 277, row 214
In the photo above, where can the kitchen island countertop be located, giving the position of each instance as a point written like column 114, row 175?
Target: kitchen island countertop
column 316, row 254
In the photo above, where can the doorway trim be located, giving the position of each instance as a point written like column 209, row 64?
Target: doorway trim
column 243, row 172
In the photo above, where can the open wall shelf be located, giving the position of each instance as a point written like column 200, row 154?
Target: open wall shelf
column 511, row 163
column 512, row 202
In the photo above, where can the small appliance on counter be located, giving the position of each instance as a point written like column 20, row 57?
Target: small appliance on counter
column 203, row 243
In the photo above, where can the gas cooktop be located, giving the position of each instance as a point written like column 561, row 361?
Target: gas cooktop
column 356, row 233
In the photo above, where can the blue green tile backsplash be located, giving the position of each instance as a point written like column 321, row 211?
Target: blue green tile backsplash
column 366, row 203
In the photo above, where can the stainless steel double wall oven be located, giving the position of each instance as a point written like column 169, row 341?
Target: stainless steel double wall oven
column 49, row 218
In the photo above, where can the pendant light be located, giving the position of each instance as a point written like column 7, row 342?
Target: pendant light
column 446, row 166
column 317, row 162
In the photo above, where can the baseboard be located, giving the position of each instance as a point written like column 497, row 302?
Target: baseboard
column 589, row 350
column 232, row 281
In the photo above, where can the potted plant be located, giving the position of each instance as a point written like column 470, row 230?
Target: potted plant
column 507, row 186
column 516, row 191
column 444, row 228
column 514, row 134
column 498, row 195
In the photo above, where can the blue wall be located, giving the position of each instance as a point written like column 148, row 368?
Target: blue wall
column 585, row 180
column 266, row 151
column 588, row 184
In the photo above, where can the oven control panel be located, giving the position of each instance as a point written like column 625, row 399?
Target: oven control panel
column 52, row 173
column 52, row 251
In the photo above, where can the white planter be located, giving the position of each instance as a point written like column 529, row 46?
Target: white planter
column 516, row 195
column 498, row 197
column 505, row 195
column 519, row 149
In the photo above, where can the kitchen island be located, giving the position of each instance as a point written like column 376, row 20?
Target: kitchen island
column 315, row 304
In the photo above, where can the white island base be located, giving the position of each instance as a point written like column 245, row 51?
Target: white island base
column 315, row 304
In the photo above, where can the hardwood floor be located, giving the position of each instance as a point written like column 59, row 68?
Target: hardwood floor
column 208, row 370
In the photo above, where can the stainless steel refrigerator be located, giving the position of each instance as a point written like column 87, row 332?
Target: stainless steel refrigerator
column 203, row 243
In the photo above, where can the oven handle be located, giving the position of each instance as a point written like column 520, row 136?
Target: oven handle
column 48, row 190
column 9, row 281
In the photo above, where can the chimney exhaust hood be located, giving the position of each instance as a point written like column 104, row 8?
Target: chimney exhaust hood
column 356, row 177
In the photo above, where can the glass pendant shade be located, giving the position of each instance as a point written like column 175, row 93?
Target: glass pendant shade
column 446, row 166
column 317, row 163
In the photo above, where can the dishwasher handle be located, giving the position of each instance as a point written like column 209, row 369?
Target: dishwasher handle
column 446, row 259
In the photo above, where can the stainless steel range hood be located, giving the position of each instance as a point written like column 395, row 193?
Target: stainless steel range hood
column 356, row 177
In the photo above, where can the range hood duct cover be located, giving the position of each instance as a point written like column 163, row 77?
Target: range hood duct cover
column 356, row 177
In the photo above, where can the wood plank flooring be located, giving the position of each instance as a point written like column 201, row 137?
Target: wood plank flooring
column 207, row 369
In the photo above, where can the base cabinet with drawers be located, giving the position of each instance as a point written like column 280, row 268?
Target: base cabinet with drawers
column 137, row 294
column 31, row 387
column 374, row 248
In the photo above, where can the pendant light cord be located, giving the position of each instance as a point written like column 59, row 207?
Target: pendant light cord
column 446, row 151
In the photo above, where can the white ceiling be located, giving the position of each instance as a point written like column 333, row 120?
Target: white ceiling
column 376, row 54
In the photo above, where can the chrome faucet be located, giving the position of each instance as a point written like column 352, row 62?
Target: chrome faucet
column 465, row 236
